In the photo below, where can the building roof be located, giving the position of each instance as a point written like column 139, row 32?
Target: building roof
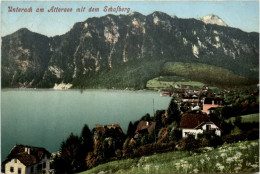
column 103, row 128
column 28, row 157
column 200, row 125
column 109, row 126
column 213, row 108
column 217, row 101
column 142, row 125
column 192, row 120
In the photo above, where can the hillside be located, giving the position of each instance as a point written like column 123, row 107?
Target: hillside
column 230, row 158
column 207, row 74
column 106, row 46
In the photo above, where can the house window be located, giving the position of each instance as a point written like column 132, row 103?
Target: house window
column 15, row 160
column 44, row 165
column 11, row 169
column 32, row 169
column 19, row 170
column 39, row 167
column 207, row 127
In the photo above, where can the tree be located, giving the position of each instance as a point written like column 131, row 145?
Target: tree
column 144, row 140
column 158, row 117
column 189, row 143
column 86, row 138
column 60, row 165
column 108, row 146
column 86, row 146
column 185, row 106
column 130, row 130
column 127, row 150
column 173, row 113
column 73, row 152
column 175, row 133
column 68, row 161
column 93, row 159
column 146, row 117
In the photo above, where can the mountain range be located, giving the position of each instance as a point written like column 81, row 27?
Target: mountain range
column 125, row 51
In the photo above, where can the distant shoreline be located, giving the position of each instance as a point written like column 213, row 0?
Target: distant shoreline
column 78, row 89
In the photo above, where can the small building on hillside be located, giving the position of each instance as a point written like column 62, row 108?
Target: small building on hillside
column 190, row 99
column 100, row 130
column 144, row 127
column 112, row 134
column 194, row 124
column 212, row 103
column 27, row 160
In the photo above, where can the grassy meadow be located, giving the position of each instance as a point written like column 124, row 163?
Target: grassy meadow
column 247, row 118
column 212, row 75
column 240, row 157
column 170, row 82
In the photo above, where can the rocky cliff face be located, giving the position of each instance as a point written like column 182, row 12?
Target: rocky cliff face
column 110, row 42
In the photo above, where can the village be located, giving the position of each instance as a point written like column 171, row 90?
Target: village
column 195, row 118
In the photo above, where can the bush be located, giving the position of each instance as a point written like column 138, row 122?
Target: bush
column 204, row 142
column 215, row 141
column 248, row 126
column 236, row 131
column 189, row 143
column 118, row 153
column 93, row 160
column 234, row 138
column 209, row 140
column 150, row 149
column 252, row 134
column 175, row 134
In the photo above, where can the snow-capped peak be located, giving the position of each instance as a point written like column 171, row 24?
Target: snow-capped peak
column 213, row 19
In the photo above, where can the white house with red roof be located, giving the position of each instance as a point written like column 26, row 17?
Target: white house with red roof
column 194, row 124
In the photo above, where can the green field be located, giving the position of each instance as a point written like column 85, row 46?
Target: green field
column 240, row 157
column 170, row 82
column 212, row 75
column 247, row 118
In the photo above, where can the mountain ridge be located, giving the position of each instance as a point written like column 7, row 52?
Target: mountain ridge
column 102, row 43
column 213, row 19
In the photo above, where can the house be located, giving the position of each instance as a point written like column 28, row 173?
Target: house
column 112, row 134
column 144, row 127
column 27, row 160
column 194, row 124
column 100, row 130
column 109, row 126
column 191, row 99
column 165, row 93
column 184, row 87
column 209, row 102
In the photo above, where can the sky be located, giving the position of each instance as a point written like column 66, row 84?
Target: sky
column 238, row 14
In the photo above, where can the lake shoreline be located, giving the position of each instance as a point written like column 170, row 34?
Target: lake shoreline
column 81, row 90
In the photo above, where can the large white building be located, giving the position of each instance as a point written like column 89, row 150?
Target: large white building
column 27, row 160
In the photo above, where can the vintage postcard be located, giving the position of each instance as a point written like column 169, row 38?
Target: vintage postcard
column 129, row 87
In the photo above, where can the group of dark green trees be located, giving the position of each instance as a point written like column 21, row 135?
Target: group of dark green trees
column 73, row 151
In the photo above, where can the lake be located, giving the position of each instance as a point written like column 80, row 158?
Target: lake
column 46, row 117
